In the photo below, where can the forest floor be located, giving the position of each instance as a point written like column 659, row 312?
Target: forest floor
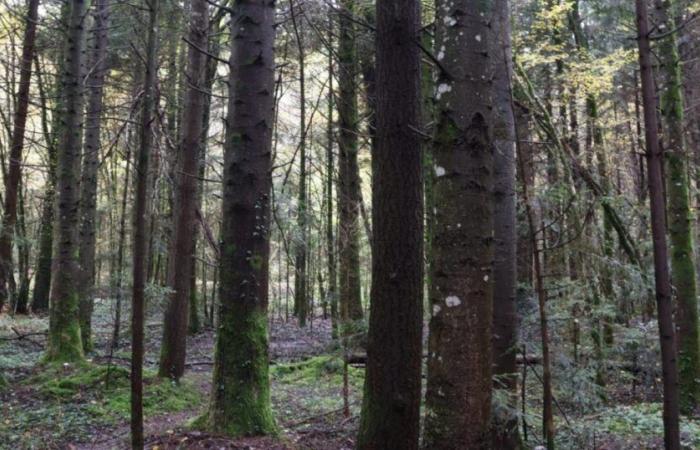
column 77, row 408
column 87, row 407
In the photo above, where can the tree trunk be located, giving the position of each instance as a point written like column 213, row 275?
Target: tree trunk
column 505, row 316
column 301, row 302
column 458, row 396
column 140, row 243
column 349, row 172
column 679, row 217
column 240, row 396
column 332, row 292
column 64, row 343
column 174, row 345
column 16, row 145
column 91, row 161
column 391, row 403
column 662, row 276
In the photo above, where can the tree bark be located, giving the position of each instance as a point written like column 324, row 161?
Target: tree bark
column 669, row 364
column 64, row 342
column 391, row 403
column 679, row 217
column 16, row 145
column 458, row 396
column 505, row 316
column 349, row 172
column 174, row 344
column 91, row 161
column 240, row 396
column 140, row 242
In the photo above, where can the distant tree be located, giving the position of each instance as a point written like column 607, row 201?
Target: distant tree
column 173, row 349
column 12, row 179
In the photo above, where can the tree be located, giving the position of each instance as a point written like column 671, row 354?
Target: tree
column 679, row 218
column 301, row 303
column 64, row 342
column 662, row 276
column 240, row 395
column 140, row 241
column 391, row 403
column 348, row 170
column 12, row 179
column 505, row 316
column 91, row 161
column 173, row 350
column 458, row 396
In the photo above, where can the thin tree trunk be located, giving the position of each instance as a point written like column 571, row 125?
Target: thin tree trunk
column 64, row 342
column 140, row 243
column 662, row 276
column 301, row 302
column 348, row 174
column 91, row 161
column 16, row 145
column 174, row 344
column 332, row 293
column 679, row 217
column 505, row 316
column 240, row 395
column 391, row 402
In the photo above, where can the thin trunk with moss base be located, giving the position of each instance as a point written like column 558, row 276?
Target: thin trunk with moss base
column 240, row 395
column 680, row 227
column 64, row 342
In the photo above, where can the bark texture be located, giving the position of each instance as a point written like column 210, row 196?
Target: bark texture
column 458, row 396
column 662, row 277
column 64, row 343
column 240, row 396
column 505, row 315
column 91, row 160
column 391, row 403
column 348, row 170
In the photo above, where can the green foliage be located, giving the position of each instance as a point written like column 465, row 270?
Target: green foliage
column 628, row 425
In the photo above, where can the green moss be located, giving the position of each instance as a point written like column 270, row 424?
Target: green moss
column 240, row 403
column 107, row 390
column 309, row 370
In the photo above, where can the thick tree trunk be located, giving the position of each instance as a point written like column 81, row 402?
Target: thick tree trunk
column 91, row 161
column 391, row 403
column 140, row 243
column 349, row 172
column 505, row 317
column 173, row 350
column 662, row 276
column 240, row 396
column 679, row 217
column 64, row 343
column 9, row 217
column 458, row 397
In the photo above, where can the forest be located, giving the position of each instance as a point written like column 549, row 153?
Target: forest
column 350, row 224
